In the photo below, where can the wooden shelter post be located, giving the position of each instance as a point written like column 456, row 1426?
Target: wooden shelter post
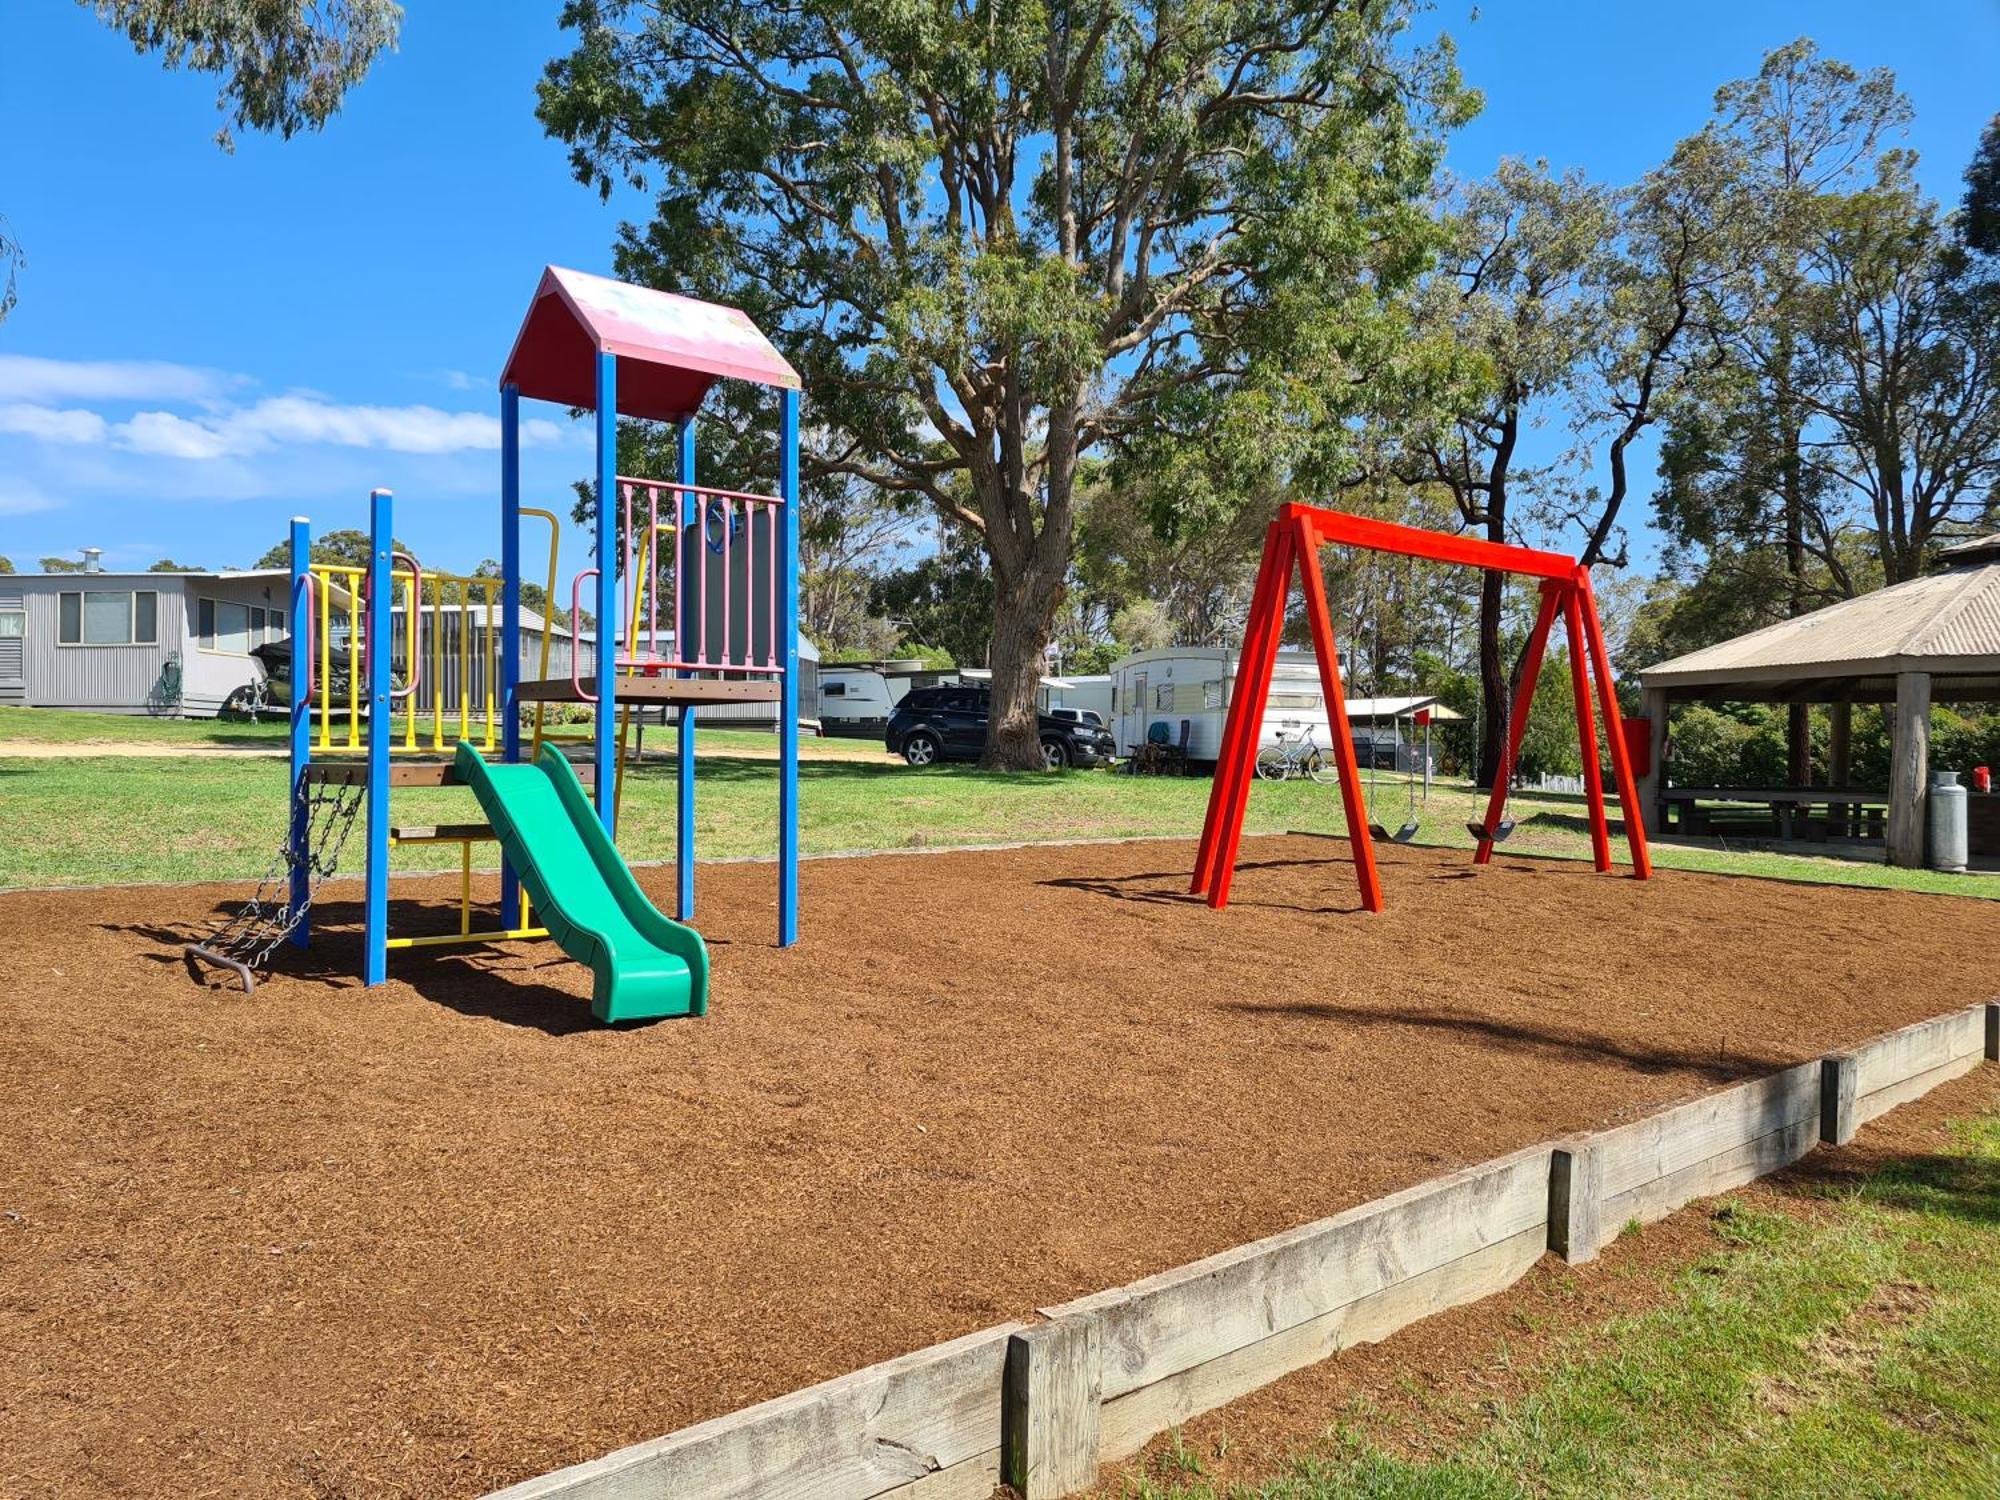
column 1909, row 769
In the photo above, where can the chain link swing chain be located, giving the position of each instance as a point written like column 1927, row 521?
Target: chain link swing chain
column 254, row 932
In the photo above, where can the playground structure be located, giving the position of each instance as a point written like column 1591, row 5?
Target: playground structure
column 1294, row 539
column 729, row 600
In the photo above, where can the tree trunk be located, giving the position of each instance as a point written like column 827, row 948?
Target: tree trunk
column 1024, row 612
column 1492, row 680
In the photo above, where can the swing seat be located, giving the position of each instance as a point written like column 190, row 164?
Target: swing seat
column 1401, row 836
column 1498, row 836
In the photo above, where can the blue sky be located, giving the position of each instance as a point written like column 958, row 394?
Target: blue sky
column 207, row 344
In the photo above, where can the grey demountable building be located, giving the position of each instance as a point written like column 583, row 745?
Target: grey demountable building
column 1934, row 638
column 136, row 643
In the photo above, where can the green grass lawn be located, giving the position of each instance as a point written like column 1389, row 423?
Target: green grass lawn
column 104, row 733
column 1850, row 1352
column 92, row 819
column 55, row 726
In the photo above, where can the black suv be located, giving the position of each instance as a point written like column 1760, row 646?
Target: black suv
column 949, row 723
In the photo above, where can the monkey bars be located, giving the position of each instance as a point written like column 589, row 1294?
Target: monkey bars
column 1294, row 540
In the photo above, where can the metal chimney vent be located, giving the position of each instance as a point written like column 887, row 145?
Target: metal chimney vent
column 93, row 559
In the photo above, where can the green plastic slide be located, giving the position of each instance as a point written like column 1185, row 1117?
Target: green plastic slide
column 644, row 964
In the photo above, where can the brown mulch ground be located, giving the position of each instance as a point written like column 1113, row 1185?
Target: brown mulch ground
column 434, row 1237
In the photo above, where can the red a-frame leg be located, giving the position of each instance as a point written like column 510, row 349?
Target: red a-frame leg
column 1524, row 698
column 1586, row 729
column 1614, row 729
column 1267, row 612
column 1351, row 801
column 1252, row 691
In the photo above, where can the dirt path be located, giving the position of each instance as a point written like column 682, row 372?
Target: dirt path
column 446, row 1234
column 812, row 749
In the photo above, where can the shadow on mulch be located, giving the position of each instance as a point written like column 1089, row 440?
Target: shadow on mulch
column 1716, row 1067
column 465, row 980
column 1136, row 887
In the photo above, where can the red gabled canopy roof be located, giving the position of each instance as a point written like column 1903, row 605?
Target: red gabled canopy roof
column 670, row 349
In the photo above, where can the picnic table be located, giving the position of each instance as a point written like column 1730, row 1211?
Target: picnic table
column 1788, row 812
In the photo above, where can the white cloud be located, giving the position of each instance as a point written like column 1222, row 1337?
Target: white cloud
column 306, row 420
column 49, row 424
column 25, row 377
column 165, row 435
column 19, row 498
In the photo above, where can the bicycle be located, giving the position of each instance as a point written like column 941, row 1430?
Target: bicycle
column 1290, row 758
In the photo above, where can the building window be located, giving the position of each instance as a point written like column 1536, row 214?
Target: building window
column 1211, row 693
column 1163, row 696
column 13, row 624
column 222, row 626
column 108, row 617
column 834, row 689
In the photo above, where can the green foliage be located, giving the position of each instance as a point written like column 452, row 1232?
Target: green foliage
column 60, row 565
column 1960, row 741
column 1092, row 659
column 1142, row 625
column 6, row 565
column 942, row 603
column 1744, row 744
column 168, row 565
column 534, row 596
column 1979, row 212
column 284, row 66
column 346, row 546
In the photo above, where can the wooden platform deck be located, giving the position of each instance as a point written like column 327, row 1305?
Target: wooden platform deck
column 658, row 690
column 408, row 773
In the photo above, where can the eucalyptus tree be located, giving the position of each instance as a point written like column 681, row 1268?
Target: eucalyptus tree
column 1904, row 366
column 1802, row 132
column 1516, row 297
column 1001, row 238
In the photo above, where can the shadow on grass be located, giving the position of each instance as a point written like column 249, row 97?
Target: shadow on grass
column 1511, row 1036
column 1961, row 1185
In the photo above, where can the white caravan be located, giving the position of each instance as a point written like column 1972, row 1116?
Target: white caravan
column 856, row 698
column 1193, row 684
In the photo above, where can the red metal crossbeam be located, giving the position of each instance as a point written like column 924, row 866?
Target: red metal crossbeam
column 1435, row 546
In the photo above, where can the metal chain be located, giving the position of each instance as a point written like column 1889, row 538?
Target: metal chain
column 256, row 929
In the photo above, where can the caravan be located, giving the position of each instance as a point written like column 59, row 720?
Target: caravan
column 856, row 698
column 1192, row 686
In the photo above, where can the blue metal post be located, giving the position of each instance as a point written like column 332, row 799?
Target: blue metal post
column 377, row 644
column 688, row 539
column 788, row 703
column 510, row 619
column 607, row 590
column 302, row 625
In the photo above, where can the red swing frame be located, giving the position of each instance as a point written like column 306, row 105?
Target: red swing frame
column 1294, row 539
